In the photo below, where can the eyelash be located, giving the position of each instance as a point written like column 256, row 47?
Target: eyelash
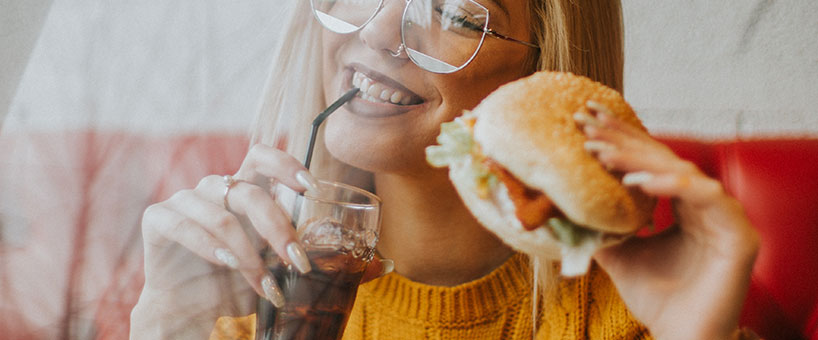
column 462, row 21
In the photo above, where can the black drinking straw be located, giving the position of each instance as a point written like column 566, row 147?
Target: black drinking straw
column 316, row 123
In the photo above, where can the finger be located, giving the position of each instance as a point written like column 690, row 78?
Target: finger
column 218, row 222
column 605, row 118
column 616, row 137
column 378, row 268
column 636, row 158
column 601, row 124
column 618, row 259
column 264, row 163
column 236, row 251
column 693, row 188
column 627, row 153
column 265, row 215
column 162, row 225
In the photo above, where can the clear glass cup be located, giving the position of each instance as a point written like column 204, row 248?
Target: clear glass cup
column 338, row 227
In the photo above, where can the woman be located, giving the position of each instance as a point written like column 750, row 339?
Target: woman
column 440, row 252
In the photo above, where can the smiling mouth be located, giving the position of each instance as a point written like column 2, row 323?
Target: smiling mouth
column 375, row 91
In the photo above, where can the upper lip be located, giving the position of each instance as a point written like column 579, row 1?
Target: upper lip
column 383, row 79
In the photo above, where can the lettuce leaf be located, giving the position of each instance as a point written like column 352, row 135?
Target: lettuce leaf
column 455, row 141
column 568, row 233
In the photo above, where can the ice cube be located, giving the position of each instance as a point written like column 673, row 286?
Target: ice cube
column 328, row 233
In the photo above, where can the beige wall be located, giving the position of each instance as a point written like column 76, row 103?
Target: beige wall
column 721, row 69
column 711, row 69
column 20, row 24
column 146, row 66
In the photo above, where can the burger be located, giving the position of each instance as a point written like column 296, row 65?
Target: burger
column 518, row 163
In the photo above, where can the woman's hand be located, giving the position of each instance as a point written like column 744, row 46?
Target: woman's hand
column 688, row 282
column 196, row 241
column 201, row 248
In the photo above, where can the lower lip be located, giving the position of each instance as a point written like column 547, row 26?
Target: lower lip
column 366, row 108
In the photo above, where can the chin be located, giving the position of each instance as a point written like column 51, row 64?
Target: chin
column 379, row 152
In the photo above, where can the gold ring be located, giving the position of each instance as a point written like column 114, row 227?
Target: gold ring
column 229, row 182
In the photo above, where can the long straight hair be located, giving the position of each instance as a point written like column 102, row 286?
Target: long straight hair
column 584, row 37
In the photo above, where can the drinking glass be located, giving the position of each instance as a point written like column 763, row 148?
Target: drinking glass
column 338, row 226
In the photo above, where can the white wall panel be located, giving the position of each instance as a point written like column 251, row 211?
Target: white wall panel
column 721, row 69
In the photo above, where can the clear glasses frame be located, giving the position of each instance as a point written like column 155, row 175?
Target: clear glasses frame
column 420, row 59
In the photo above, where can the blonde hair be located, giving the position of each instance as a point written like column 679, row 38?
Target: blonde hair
column 584, row 37
column 293, row 93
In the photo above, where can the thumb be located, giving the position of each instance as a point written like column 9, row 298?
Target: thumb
column 377, row 268
column 637, row 254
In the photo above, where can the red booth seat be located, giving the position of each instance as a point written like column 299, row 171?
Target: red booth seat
column 99, row 183
column 776, row 180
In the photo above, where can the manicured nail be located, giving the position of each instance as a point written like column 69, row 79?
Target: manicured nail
column 307, row 180
column 593, row 105
column 272, row 292
column 299, row 257
column 226, row 257
column 637, row 178
column 598, row 146
column 388, row 266
column 586, row 119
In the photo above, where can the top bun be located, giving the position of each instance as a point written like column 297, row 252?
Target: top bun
column 527, row 126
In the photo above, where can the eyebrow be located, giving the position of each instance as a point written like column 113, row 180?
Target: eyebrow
column 500, row 4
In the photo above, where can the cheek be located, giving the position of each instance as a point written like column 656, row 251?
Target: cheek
column 333, row 46
column 488, row 71
column 330, row 45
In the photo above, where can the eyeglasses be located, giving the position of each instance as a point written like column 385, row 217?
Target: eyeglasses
column 440, row 36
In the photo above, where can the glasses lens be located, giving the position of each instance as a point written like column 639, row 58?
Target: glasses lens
column 442, row 36
column 344, row 16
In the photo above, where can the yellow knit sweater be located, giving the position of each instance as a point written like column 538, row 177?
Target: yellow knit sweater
column 497, row 306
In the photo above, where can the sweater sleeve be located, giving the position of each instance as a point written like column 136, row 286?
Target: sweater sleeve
column 588, row 307
column 234, row 328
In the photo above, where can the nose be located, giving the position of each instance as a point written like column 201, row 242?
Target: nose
column 382, row 34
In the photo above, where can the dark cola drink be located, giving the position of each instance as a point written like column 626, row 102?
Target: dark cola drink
column 317, row 303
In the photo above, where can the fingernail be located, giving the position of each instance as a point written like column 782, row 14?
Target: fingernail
column 226, row 257
column 598, row 146
column 307, row 180
column 593, row 105
column 637, row 178
column 299, row 257
column 388, row 266
column 272, row 292
column 586, row 119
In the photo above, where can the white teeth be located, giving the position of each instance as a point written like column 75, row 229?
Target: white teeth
column 370, row 98
column 378, row 93
column 396, row 97
column 356, row 81
column 375, row 90
column 365, row 85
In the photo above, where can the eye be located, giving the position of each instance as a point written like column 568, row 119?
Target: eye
column 459, row 19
